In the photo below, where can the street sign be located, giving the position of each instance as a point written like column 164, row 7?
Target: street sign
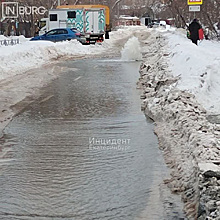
column 195, row 2
column 194, row 8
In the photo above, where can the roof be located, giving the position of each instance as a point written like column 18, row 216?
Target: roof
column 87, row 7
column 126, row 17
column 82, row 6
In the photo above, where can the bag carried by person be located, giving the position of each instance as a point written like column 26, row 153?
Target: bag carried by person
column 201, row 34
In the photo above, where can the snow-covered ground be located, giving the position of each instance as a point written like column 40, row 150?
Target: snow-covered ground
column 198, row 67
column 31, row 54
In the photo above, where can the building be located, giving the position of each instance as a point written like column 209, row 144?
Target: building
column 125, row 20
column 146, row 19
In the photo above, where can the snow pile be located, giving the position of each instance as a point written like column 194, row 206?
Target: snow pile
column 184, row 133
column 3, row 37
column 21, row 38
column 198, row 67
column 131, row 50
column 31, row 54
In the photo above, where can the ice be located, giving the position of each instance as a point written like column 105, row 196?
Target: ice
column 209, row 167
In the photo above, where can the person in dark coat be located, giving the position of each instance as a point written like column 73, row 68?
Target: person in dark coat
column 194, row 31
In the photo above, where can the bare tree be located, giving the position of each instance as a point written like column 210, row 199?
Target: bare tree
column 162, row 9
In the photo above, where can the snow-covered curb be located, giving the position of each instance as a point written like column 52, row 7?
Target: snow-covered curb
column 185, row 135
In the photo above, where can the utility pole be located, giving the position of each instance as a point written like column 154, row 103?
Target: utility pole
column 118, row 9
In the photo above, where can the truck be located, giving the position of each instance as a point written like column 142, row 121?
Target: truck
column 92, row 21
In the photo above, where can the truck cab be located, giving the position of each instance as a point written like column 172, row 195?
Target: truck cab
column 43, row 26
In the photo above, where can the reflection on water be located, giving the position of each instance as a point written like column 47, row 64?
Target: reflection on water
column 63, row 159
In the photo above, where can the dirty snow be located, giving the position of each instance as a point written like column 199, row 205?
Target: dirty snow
column 170, row 96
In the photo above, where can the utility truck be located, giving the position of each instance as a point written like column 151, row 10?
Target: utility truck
column 92, row 21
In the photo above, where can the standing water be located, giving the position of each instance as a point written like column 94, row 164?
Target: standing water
column 84, row 151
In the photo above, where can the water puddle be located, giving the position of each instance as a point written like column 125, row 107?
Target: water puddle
column 84, row 150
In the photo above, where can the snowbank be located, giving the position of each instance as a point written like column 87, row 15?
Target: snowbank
column 21, row 38
column 30, row 54
column 3, row 37
column 169, row 79
column 198, row 67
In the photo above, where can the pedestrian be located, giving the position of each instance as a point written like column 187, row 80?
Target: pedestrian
column 194, row 31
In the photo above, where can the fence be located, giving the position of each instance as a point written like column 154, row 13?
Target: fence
column 9, row 42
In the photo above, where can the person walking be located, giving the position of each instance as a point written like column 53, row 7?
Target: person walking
column 194, row 31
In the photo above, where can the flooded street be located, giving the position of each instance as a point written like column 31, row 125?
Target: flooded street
column 57, row 164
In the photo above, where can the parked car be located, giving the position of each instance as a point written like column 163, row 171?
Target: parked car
column 59, row 34
column 156, row 24
column 153, row 24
